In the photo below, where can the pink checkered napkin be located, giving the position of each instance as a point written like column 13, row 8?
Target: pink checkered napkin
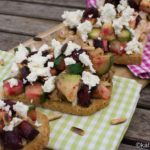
column 143, row 70
column 90, row 3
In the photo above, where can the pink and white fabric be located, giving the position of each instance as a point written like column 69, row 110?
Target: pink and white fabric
column 90, row 3
column 143, row 70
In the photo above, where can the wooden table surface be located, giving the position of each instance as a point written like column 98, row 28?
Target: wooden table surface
column 23, row 19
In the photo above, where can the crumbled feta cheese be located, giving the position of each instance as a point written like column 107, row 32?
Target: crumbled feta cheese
column 21, row 109
column 13, row 82
column 108, row 13
column 14, row 70
column 122, row 6
column 123, row 20
column 56, row 45
column 14, row 122
column 50, row 64
column 84, row 58
column 84, row 28
column 133, row 46
column 37, row 124
column 37, row 66
column 69, row 61
column 90, row 79
column 32, row 77
column 24, row 81
column 71, row 47
column 72, row 19
column 99, row 22
column 118, row 26
column 2, row 104
column 21, row 54
column 49, row 85
column 6, row 108
column 37, row 60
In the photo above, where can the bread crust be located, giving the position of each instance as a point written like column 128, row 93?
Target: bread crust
column 42, row 138
column 133, row 59
column 64, row 106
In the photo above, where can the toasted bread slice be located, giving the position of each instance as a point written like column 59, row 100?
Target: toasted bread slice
column 145, row 5
column 63, row 106
column 42, row 139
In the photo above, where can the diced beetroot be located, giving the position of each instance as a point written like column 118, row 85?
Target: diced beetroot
column 91, row 12
column 101, row 91
column 34, row 92
column 84, row 96
column 15, row 90
column 24, row 72
column 27, row 131
column 75, row 54
column 11, row 140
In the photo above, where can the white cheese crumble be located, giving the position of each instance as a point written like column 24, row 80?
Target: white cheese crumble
column 108, row 13
column 14, row 70
column 99, row 22
column 49, row 85
column 90, row 79
column 31, row 77
column 133, row 46
column 50, row 64
column 13, row 82
column 56, row 45
column 84, row 28
column 14, row 122
column 21, row 109
column 84, row 58
column 36, row 66
column 122, row 6
column 21, row 54
column 123, row 20
column 2, row 104
column 69, row 61
column 72, row 19
column 71, row 47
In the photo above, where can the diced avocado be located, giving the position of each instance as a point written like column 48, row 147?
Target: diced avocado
column 75, row 68
column 95, row 33
column 68, row 85
column 125, row 36
column 102, row 63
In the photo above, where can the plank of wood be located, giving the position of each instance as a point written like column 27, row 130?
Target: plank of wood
column 24, row 25
column 66, row 3
column 139, row 129
column 126, row 147
column 8, row 40
column 124, row 72
column 144, row 100
column 32, row 10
